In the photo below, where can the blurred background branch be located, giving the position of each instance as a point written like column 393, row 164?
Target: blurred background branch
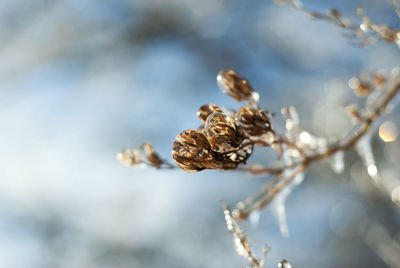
column 82, row 79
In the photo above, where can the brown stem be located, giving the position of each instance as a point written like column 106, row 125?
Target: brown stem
column 241, row 238
column 266, row 170
column 268, row 193
column 363, row 128
column 244, row 210
column 376, row 31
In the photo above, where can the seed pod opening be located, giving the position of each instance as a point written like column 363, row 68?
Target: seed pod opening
column 241, row 155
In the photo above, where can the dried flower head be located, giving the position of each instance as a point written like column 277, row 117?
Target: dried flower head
column 333, row 13
column 233, row 85
column 252, row 122
column 361, row 88
column 379, row 79
column 284, row 264
column 130, row 157
column 220, row 130
column 192, row 152
column 354, row 112
column 207, row 109
column 153, row 158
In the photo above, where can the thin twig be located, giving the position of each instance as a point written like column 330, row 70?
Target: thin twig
column 267, row 194
column 367, row 31
column 242, row 243
column 244, row 209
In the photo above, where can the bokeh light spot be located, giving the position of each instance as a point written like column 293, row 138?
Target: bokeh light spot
column 388, row 132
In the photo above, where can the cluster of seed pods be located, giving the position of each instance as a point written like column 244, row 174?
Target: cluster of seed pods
column 227, row 137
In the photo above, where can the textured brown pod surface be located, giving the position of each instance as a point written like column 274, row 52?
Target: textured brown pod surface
column 220, row 130
column 252, row 122
column 233, row 85
column 207, row 109
column 151, row 155
column 192, row 152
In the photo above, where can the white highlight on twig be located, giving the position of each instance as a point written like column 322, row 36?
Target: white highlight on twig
column 337, row 162
column 305, row 137
column 388, row 132
column 278, row 206
column 364, row 149
column 372, row 170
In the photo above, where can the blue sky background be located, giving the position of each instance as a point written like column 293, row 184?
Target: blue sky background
column 81, row 80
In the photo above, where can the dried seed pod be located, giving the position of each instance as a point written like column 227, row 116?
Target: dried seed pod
column 252, row 122
column 379, row 79
column 221, row 133
column 153, row 158
column 130, row 157
column 233, row 85
column 361, row 88
column 284, row 264
column 192, row 152
column 228, row 164
column 354, row 112
column 314, row 15
column 207, row 109
column 333, row 13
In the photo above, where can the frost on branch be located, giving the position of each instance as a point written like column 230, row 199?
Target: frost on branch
column 364, row 149
column 298, row 148
column 367, row 32
column 292, row 122
column 337, row 162
column 227, row 138
column 278, row 206
column 241, row 242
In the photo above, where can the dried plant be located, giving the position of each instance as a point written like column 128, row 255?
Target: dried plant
column 367, row 32
column 227, row 138
column 146, row 155
column 241, row 242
